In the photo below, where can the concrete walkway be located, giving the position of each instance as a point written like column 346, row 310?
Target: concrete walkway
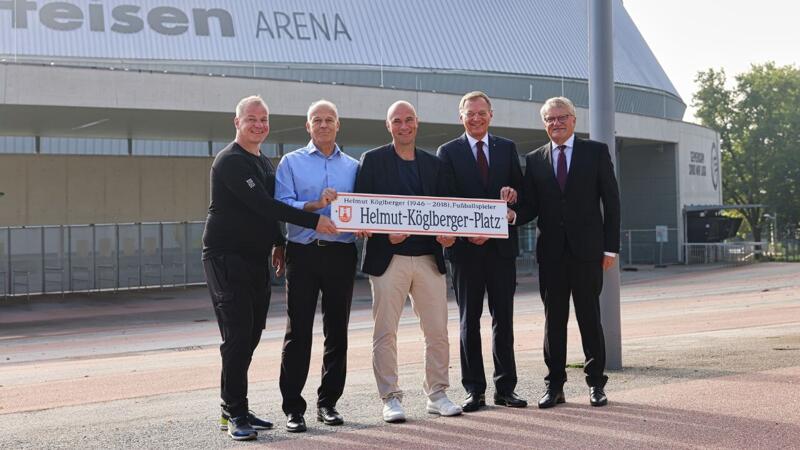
column 711, row 360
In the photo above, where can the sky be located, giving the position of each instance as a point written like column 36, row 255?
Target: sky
column 691, row 36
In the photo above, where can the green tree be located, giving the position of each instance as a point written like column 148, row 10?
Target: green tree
column 758, row 120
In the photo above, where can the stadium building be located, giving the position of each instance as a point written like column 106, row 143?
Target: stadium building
column 111, row 110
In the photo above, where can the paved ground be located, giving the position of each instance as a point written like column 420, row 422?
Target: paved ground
column 711, row 360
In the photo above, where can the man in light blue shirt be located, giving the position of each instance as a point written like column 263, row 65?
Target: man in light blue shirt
column 309, row 179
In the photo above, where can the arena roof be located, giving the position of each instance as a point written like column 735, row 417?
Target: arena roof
column 521, row 37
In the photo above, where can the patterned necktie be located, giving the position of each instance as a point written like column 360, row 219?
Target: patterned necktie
column 483, row 164
column 561, row 168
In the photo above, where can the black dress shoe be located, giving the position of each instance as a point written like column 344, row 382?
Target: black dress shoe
column 329, row 416
column 597, row 396
column 473, row 402
column 295, row 423
column 551, row 398
column 511, row 400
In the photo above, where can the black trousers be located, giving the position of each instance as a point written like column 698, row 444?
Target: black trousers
column 240, row 294
column 485, row 272
column 583, row 280
column 311, row 269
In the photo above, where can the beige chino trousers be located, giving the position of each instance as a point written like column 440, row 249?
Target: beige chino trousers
column 419, row 278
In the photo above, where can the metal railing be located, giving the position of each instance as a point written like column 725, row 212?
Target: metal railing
column 110, row 257
column 86, row 258
column 785, row 250
column 724, row 252
column 62, row 259
column 640, row 246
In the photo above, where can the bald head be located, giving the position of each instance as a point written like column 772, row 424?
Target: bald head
column 401, row 121
column 403, row 105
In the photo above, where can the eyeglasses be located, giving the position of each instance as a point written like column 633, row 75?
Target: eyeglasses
column 559, row 119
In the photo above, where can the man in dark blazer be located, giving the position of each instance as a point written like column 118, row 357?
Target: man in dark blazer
column 482, row 165
column 565, row 182
column 401, row 265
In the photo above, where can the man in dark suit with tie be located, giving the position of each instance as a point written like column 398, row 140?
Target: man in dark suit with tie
column 402, row 265
column 482, row 165
column 565, row 182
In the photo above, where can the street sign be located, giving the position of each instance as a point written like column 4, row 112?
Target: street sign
column 662, row 235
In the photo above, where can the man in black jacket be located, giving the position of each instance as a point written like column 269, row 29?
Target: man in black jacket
column 482, row 165
column 565, row 182
column 241, row 229
column 401, row 265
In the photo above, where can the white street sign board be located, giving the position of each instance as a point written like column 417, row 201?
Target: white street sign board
column 420, row 215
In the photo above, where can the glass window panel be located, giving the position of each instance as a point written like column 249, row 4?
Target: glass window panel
column 83, row 146
column 147, row 147
column 267, row 148
column 17, row 144
column 217, row 147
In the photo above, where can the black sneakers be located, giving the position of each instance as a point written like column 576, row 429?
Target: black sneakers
column 239, row 429
column 243, row 428
column 255, row 422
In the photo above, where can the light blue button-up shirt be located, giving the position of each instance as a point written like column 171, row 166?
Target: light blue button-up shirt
column 300, row 178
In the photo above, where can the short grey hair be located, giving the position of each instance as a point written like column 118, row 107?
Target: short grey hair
column 319, row 103
column 247, row 101
column 557, row 102
column 472, row 96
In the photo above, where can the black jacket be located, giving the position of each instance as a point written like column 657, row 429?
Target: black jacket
column 462, row 169
column 378, row 174
column 243, row 215
column 573, row 219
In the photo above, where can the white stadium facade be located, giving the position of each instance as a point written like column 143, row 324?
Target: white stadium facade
column 111, row 110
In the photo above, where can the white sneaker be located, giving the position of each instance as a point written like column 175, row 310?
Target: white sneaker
column 393, row 410
column 443, row 407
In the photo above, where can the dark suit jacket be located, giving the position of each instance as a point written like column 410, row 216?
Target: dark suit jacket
column 378, row 174
column 462, row 169
column 573, row 216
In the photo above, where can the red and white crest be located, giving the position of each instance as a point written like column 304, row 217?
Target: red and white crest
column 345, row 213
